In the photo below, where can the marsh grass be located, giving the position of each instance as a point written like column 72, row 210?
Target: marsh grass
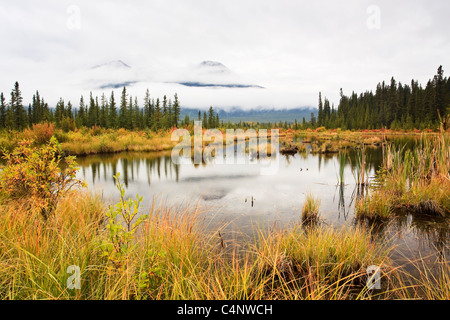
column 319, row 263
column 310, row 210
column 377, row 206
column 417, row 180
column 174, row 258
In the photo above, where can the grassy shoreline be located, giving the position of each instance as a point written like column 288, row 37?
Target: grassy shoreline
column 173, row 259
column 87, row 141
column 417, row 180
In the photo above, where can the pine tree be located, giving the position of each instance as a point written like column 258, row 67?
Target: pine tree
column 176, row 111
column 164, row 119
column 69, row 111
column 2, row 111
column 147, row 114
column 440, row 107
column 123, row 114
column 205, row 120
column 211, row 118
column 59, row 112
column 313, row 120
column 326, row 112
column 152, row 114
column 136, row 121
column 19, row 116
column 82, row 115
column 169, row 114
column 320, row 119
column 92, row 112
column 103, row 112
column 112, row 114
column 131, row 119
column 157, row 120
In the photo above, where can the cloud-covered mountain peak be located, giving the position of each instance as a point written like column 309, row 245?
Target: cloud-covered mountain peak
column 116, row 64
column 209, row 66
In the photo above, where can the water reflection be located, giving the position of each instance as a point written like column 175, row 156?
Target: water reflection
column 102, row 168
column 239, row 193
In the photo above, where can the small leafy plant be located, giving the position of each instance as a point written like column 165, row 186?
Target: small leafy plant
column 123, row 222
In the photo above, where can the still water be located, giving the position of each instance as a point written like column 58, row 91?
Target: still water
column 240, row 197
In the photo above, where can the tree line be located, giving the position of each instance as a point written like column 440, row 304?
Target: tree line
column 106, row 112
column 392, row 106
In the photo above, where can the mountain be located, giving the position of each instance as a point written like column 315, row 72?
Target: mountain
column 237, row 114
column 214, row 74
column 110, row 75
column 217, row 85
column 213, row 67
column 115, row 64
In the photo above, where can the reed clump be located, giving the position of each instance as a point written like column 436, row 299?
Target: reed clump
column 310, row 210
column 417, row 180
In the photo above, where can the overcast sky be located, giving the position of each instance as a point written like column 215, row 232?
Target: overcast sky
column 294, row 49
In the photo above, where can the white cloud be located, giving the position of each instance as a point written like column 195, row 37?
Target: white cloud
column 292, row 48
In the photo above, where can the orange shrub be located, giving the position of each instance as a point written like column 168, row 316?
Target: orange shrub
column 40, row 132
column 34, row 174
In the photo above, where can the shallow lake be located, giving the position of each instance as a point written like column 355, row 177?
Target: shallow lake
column 243, row 198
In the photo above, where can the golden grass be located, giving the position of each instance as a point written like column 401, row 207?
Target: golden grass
column 417, row 180
column 310, row 210
column 174, row 258
column 78, row 143
column 320, row 263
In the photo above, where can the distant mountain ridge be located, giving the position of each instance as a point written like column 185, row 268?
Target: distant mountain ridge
column 113, row 64
column 237, row 114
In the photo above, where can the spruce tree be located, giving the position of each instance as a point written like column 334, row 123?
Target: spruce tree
column 147, row 114
column 69, row 110
column 103, row 112
column 157, row 118
column 123, row 114
column 320, row 119
column 205, row 121
column 18, row 112
column 131, row 119
column 59, row 112
column 81, row 120
column 112, row 114
column 176, row 111
column 211, row 117
column 2, row 111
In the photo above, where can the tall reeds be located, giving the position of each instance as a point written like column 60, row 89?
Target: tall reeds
column 417, row 180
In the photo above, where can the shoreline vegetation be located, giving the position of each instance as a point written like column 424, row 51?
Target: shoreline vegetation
column 96, row 140
column 167, row 256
